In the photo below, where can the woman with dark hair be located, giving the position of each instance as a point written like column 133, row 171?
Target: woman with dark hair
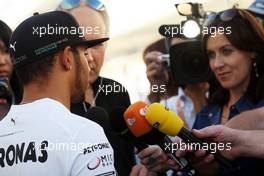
column 6, row 72
column 236, row 57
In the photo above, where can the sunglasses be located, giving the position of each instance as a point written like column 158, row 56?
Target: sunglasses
column 71, row 4
column 226, row 15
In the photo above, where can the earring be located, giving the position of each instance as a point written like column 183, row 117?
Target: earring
column 256, row 69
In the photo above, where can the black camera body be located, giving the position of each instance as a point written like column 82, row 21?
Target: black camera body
column 187, row 62
column 189, row 65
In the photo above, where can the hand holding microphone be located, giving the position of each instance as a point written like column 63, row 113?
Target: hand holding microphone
column 142, row 132
column 169, row 123
column 120, row 128
column 130, row 124
column 143, row 136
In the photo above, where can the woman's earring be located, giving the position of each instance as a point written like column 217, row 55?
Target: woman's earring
column 256, row 69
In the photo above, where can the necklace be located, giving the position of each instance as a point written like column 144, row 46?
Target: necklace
column 94, row 99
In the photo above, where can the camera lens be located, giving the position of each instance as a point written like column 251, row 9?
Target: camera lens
column 188, row 63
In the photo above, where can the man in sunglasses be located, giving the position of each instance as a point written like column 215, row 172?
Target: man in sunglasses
column 92, row 16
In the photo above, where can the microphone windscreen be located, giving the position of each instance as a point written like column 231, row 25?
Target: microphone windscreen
column 166, row 121
column 135, row 119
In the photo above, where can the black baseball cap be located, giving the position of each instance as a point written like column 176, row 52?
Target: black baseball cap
column 45, row 34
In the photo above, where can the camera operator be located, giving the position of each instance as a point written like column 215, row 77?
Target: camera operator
column 191, row 97
column 161, row 84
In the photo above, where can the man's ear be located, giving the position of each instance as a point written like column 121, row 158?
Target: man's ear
column 66, row 59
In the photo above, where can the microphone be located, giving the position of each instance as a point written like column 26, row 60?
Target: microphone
column 139, row 126
column 145, row 135
column 99, row 116
column 119, row 126
column 133, row 126
column 170, row 123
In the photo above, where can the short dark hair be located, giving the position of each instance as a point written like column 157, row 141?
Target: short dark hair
column 247, row 35
column 159, row 45
column 40, row 68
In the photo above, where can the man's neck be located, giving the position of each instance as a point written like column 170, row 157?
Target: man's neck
column 34, row 92
column 89, row 95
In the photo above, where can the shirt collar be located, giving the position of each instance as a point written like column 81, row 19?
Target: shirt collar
column 242, row 104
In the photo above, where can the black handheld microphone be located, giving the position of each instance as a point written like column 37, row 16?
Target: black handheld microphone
column 119, row 126
column 99, row 116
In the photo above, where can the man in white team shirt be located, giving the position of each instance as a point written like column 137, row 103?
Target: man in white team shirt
column 40, row 136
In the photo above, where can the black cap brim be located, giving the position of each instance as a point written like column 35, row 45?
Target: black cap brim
column 90, row 43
